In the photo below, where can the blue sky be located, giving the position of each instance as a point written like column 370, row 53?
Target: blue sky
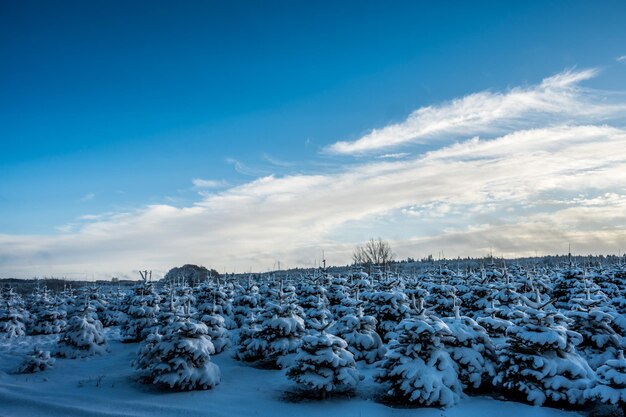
column 112, row 109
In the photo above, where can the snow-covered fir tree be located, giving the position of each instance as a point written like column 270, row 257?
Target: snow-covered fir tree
column 610, row 386
column 440, row 295
column 278, row 335
column 359, row 332
column 185, row 299
column 566, row 284
column 337, row 292
column 212, row 298
column 67, row 300
column 311, row 296
column 13, row 316
column 249, row 347
column 142, row 308
column 479, row 297
column 113, row 314
column 417, row 368
column 539, row 362
column 495, row 322
column 97, row 300
column 505, row 298
column 47, row 317
column 147, row 355
column 323, row 365
column 472, row 350
column 216, row 330
column 168, row 307
column 245, row 301
column 180, row 358
column 36, row 360
column 388, row 305
column 599, row 341
column 83, row 336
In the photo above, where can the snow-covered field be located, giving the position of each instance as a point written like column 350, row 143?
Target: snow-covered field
column 106, row 386
column 320, row 344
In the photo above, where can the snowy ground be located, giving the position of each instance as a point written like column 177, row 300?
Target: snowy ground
column 105, row 386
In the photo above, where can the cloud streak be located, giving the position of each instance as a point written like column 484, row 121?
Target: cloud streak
column 200, row 183
column 557, row 98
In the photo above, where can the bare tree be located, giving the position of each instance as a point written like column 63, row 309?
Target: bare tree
column 373, row 252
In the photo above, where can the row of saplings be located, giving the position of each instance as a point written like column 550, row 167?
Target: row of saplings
column 428, row 361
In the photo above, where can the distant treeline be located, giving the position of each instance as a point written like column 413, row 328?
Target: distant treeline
column 194, row 274
column 26, row 286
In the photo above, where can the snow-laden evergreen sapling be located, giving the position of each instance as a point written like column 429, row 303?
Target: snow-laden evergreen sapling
column 83, row 336
column 168, row 308
column 311, row 295
column 417, row 368
column 472, row 350
column 113, row 314
column 599, row 342
column 228, row 313
column 539, row 362
column 279, row 334
column 319, row 314
column 388, row 305
column 338, row 298
column 36, row 360
column 462, row 282
column 616, row 280
column 142, row 308
column 147, row 355
column 249, row 347
column 440, row 296
column 211, row 298
column 13, row 316
column 479, row 297
column 245, row 301
column 506, row 297
column 93, row 295
column 359, row 331
column 566, row 285
column 67, row 301
column 605, row 280
column 323, row 365
column 180, row 359
column 495, row 322
column 216, row 329
column 185, row 299
column 48, row 318
column 282, row 328
column 610, row 386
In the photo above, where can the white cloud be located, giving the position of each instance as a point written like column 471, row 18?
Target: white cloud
column 290, row 218
column 621, row 58
column 557, row 98
column 531, row 188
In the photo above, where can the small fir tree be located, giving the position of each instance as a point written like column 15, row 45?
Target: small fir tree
column 417, row 368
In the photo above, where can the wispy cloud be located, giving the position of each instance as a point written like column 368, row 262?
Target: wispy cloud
column 540, row 184
column 244, row 169
column 87, row 197
column 200, row 183
column 556, row 99
column 277, row 162
column 398, row 155
column 621, row 58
